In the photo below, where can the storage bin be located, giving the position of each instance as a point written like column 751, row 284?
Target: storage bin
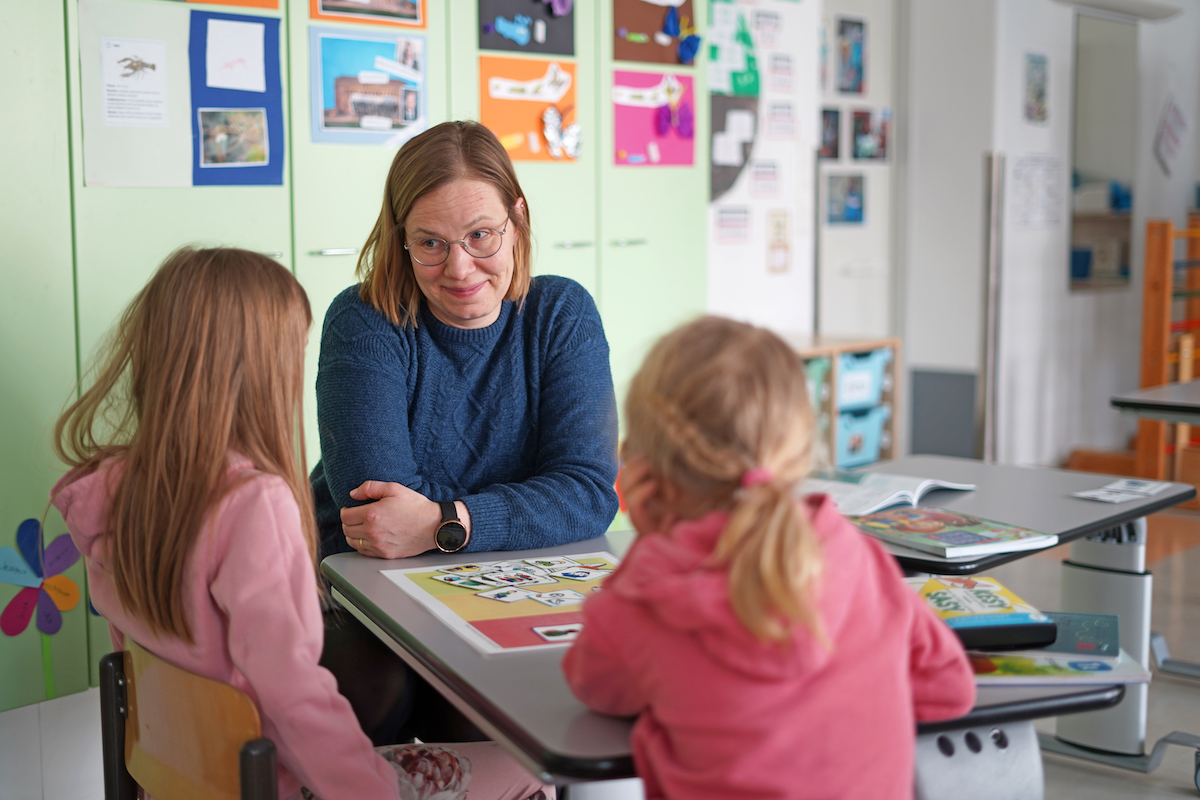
column 860, row 435
column 860, row 378
column 818, row 392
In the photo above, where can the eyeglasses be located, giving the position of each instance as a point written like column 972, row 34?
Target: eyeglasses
column 482, row 243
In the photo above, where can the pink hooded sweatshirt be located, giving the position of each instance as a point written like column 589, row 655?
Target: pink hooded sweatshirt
column 251, row 598
column 723, row 715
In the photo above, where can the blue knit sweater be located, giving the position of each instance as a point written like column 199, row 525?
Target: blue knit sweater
column 518, row 419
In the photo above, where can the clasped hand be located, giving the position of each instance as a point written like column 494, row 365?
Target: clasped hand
column 398, row 524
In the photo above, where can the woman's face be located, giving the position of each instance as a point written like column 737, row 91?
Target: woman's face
column 464, row 291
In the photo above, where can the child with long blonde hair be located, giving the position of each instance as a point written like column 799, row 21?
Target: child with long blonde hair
column 769, row 648
column 188, row 498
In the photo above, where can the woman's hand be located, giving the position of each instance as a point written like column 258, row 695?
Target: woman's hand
column 400, row 523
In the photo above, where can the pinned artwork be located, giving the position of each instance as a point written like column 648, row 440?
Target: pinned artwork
column 831, row 134
column 871, row 132
column 658, row 31
column 528, row 26
column 733, row 63
column 654, row 119
column 530, row 105
column 379, row 12
column 852, row 56
column 367, row 87
column 1035, row 88
column 845, row 200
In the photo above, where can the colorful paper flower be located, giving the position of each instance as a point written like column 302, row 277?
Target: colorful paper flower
column 39, row 570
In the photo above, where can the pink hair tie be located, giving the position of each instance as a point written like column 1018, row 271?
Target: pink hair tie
column 756, row 476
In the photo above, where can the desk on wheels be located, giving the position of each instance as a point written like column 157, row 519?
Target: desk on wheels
column 1173, row 402
column 522, row 701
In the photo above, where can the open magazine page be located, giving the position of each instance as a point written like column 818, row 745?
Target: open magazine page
column 857, row 493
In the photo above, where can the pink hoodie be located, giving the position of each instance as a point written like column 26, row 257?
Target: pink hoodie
column 723, row 715
column 251, row 598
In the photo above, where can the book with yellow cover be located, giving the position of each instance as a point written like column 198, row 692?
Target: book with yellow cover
column 985, row 614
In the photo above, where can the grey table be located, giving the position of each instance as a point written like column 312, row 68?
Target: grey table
column 522, row 701
column 1173, row 402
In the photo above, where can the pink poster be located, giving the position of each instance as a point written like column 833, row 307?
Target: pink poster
column 654, row 119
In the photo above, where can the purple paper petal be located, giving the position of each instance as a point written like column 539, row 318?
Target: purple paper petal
column 662, row 120
column 687, row 121
column 49, row 618
column 60, row 555
column 29, row 533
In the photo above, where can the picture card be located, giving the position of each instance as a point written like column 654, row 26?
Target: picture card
column 1136, row 486
column 581, row 574
column 561, row 597
column 465, row 581
column 505, row 594
column 1107, row 496
column 559, row 633
column 463, row 569
column 513, row 579
column 552, row 563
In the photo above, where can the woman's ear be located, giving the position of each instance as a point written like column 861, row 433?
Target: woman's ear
column 519, row 207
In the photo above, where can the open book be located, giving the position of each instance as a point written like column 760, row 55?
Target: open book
column 858, row 493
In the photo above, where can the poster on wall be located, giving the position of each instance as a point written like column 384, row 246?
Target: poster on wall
column 134, row 83
column 871, row 134
column 366, row 87
column 831, row 134
column 734, row 85
column 852, row 56
column 530, row 105
column 845, row 200
column 1035, row 88
column 242, row 3
column 779, row 241
column 528, row 26
column 237, row 100
column 378, row 12
column 657, row 31
column 653, row 119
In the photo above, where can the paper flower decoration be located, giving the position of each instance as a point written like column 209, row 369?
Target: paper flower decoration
column 46, row 590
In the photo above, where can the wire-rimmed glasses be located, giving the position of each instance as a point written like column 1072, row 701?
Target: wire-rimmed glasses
column 430, row 251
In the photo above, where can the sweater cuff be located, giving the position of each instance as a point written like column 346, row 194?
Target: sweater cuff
column 490, row 516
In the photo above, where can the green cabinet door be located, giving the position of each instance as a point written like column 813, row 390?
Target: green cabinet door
column 338, row 187
column 37, row 341
column 561, row 193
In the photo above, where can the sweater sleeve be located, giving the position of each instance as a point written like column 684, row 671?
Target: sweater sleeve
column 570, row 494
column 942, row 680
column 266, row 586
column 595, row 667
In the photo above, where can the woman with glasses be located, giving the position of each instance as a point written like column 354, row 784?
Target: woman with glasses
column 461, row 404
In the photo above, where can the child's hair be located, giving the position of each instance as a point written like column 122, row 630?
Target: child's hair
column 208, row 357
column 720, row 408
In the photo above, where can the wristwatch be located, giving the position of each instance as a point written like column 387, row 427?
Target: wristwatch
column 451, row 535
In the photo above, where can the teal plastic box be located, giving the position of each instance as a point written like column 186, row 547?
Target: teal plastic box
column 860, row 435
column 815, row 370
column 860, row 379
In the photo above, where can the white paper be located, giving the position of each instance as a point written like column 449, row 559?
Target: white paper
column 234, row 56
column 1036, row 191
column 726, row 150
column 1136, row 486
column 1107, row 496
column 739, row 123
column 133, row 87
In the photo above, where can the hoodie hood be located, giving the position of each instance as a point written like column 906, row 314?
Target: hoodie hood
column 84, row 500
column 670, row 575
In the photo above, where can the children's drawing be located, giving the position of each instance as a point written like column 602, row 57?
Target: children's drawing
column 872, row 130
column 654, row 119
column 852, row 50
column 1035, row 88
column 530, row 105
column 659, row 31
column 845, row 199
column 528, row 26
column 831, row 134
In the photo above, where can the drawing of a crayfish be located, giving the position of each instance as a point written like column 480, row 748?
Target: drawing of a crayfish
column 134, row 66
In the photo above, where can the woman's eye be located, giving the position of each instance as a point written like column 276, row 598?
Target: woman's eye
column 479, row 235
column 430, row 244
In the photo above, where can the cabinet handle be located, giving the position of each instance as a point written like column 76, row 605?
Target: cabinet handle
column 335, row 251
column 272, row 254
column 572, row 245
column 627, row 242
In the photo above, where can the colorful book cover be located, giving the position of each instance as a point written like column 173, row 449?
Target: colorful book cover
column 984, row 613
column 1000, row 670
column 950, row 534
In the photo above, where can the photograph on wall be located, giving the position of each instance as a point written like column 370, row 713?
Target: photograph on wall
column 367, row 88
column 653, row 119
column 845, row 200
column 831, row 134
column 852, row 56
column 378, row 12
column 871, row 131
column 530, row 105
column 233, row 137
column 528, row 26
column 657, row 31
column 237, row 100
column 1035, row 88
column 732, row 63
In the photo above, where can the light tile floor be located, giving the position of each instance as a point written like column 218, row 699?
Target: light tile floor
column 1173, row 556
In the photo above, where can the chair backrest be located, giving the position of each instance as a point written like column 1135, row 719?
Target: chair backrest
column 184, row 733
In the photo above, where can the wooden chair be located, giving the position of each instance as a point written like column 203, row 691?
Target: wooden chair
column 178, row 735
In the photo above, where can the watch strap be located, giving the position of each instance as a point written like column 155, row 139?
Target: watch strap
column 449, row 512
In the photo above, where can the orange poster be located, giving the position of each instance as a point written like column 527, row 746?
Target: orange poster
column 410, row 13
column 530, row 105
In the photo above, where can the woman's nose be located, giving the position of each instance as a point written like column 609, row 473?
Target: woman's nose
column 459, row 263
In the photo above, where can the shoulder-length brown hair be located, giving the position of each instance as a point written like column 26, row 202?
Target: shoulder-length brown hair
column 444, row 153
column 208, row 358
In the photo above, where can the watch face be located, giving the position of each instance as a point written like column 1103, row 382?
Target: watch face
column 451, row 536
